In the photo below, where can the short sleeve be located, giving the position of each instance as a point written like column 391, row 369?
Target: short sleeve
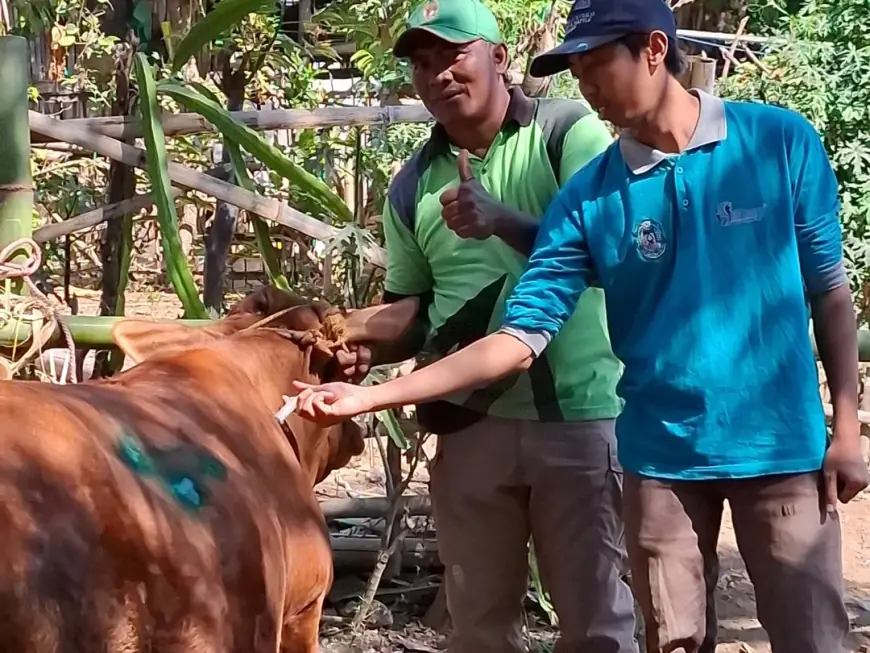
column 585, row 140
column 558, row 271
column 816, row 211
column 408, row 271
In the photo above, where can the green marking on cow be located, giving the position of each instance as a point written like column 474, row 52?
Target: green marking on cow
column 182, row 470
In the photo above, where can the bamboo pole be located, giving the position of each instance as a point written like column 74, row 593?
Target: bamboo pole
column 16, row 185
column 93, row 331
column 700, row 73
column 88, row 331
column 92, row 219
column 127, row 127
column 265, row 207
column 725, row 38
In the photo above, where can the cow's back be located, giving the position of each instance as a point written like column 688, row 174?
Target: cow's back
column 138, row 510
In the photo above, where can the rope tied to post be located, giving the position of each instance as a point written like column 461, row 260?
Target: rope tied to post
column 35, row 309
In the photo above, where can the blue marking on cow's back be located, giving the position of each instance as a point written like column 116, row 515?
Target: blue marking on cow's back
column 180, row 470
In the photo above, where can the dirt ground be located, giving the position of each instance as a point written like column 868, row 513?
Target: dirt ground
column 740, row 632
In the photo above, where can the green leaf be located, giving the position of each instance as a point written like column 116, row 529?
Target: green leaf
column 261, row 229
column 202, row 88
column 394, row 429
column 226, row 15
column 161, row 190
column 252, row 142
column 543, row 596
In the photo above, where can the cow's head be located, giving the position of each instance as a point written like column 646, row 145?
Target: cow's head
column 276, row 338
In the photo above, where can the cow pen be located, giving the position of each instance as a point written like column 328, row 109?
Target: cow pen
column 31, row 324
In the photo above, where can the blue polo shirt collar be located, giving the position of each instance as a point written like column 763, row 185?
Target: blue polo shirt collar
column 711, row 128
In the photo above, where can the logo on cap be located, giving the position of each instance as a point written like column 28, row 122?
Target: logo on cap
column 430, row 10
column 578, row 15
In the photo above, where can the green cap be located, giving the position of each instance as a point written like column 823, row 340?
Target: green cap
column 456, row 21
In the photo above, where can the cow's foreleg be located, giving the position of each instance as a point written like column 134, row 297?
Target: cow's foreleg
column 302, row 630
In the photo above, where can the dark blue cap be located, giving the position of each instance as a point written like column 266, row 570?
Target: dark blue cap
column 593, row 23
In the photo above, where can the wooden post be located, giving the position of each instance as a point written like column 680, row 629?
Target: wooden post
column 16, row 189
column 700, row 73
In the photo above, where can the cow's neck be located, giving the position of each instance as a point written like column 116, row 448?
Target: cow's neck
column 272, row 364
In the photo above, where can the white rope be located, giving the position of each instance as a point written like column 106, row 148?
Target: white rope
column 35, row 309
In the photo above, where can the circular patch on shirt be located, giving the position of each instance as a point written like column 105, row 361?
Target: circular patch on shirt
column 649, row 237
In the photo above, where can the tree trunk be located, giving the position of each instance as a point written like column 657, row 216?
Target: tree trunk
column 543, row 40
column 220, row 234
column 116, row 245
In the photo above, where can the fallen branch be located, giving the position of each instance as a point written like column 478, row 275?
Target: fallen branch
column 62, row 147
column 728, row 56
column 333, row 619
column 265, row 207
column 754, row 59
column 733, row 48
column 359, row 554
column 411, row 545
column 384, row 556
column 374, row 507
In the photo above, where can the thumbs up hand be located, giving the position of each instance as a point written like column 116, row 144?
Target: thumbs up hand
column 464, row 166
column 469, row 210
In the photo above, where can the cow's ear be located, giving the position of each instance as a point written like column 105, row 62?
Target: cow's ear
column 382, row 323
column 144, row 339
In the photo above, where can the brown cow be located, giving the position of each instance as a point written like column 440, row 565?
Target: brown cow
column 165, row 509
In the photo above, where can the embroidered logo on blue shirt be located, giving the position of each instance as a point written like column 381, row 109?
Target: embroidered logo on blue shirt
column 728, row 215
column 649, row 237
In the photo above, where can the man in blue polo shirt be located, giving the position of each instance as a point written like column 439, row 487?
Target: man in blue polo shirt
column 712, row 227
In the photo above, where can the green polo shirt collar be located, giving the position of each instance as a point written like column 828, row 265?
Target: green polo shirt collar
column 711, row 128
column 521, row 111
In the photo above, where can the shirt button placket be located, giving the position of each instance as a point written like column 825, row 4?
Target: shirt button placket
column 680, row 187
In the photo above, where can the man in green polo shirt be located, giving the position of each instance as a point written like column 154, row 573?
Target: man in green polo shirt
column 534, row 453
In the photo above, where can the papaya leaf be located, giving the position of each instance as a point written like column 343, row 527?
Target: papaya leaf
column 256, row 145
column 243, row 179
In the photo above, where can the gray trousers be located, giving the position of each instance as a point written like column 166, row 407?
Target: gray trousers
column 499, row 482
